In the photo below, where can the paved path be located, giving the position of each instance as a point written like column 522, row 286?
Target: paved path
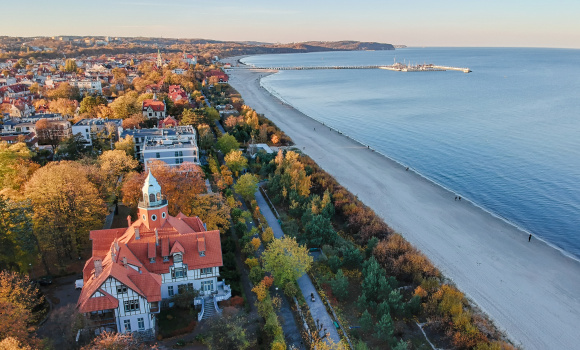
column 317, row 308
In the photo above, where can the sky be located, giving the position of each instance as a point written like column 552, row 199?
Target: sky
column 489, row 23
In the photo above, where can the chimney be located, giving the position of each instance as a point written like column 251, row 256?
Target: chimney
column 98, row 267
column 113, row 254
column 156, row 237
column 125, row 261
column 137, row 235
column 129, row 220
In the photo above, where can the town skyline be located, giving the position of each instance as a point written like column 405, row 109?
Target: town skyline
column 493, row 24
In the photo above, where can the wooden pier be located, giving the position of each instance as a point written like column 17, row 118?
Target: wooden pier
column 395, row 67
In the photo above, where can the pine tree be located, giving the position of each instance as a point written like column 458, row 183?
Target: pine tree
column 384, row 329
column 366, row 321
column 339, row 285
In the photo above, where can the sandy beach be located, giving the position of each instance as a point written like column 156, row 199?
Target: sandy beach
column 529, row 289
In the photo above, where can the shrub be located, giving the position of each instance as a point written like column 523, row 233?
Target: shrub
column 256, row 274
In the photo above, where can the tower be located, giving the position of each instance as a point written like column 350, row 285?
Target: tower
column 159, row 60
column 152, row 207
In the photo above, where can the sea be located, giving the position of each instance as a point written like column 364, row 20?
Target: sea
column 505, row 136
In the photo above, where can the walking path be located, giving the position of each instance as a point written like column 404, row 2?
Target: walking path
column 317, row 308
column 529, row 289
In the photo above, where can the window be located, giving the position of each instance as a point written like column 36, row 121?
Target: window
column 157, row 155
column 165, row 259
column 151, row 197
column 170, row 291
column 144, row 217
column 207, row 286
column 176, row 154
column 206, row 271
column 131, row 305
column 150, row 114
column 153, row 217
column 127, row 325
column 141, row 323
column 121, row 289
column 184, row 288
column 178, row 272
column 202, row 253
column 181, row 153
column 177, row 258
column 158, row 196
column 152, row 260
column 163, row 215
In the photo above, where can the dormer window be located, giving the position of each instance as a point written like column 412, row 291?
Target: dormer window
column 202, row 253
column 152, row 260
column 177, row 258
column 165, row 259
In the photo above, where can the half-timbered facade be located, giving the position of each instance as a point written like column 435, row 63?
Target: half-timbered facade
column 134, row 269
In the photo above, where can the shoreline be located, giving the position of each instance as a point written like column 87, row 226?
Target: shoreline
column 451, row 192
column 535, row 306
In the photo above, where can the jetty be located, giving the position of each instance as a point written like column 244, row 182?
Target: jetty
column 394, row 67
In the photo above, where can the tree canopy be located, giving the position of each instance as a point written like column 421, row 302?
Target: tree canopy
column 227, row 143
column 246, row 186
column 286, row 260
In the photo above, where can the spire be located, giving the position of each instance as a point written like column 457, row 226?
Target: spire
column 151, row 191
column 159, row 60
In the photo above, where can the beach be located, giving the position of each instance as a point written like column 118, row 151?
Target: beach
column 528, row 289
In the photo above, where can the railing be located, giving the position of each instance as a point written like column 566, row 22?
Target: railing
column 200, row 315
column 198, row 301
column 215, row 301
column 145, row 204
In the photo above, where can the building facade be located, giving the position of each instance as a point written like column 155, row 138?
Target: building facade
column 134, row 271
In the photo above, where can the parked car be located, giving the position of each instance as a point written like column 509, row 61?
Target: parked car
column 44, row 281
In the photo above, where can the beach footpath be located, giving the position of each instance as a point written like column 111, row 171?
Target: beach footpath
column 528, row 288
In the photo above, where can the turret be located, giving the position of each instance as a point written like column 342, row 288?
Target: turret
column 152, row 207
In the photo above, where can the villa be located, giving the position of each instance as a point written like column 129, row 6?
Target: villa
column 134, row 271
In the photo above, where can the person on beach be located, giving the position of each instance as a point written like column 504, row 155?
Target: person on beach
column 459, row 198
column 455, row 197
column 530, row 238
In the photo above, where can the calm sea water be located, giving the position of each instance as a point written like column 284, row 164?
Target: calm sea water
column 506, row 136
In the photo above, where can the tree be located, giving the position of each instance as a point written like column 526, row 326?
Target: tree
column 63, row 106
column 70, row 66
column 227, row 333
column 15, row 165
column 375, row 284
column 319, row 231
column 366, row 322
column 11, row 343
column 126, row 105
column 17, row 290
column 246, row 186
column 64, row 90
column 340, row 285
column 127, row 145
column 286, row 260
column 114, row 164
column 116, row 341
column 66, row 207
column 16, row 242
column 72, row 148
column 134, row 121
column 90, row 105
column 13, row 321
column 227, row 143
column 178, row 184
column 206, row 138
column 384, row 329
column 48, row 133
column 212, row 210
column 268, row 235
column 236, row 161
column 191, row 117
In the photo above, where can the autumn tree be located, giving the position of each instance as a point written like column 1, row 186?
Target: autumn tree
column 115, row 163
column 65, row 91
column 134, row 121
column 18, row 290
column 206, row 138
column 178, row 184
column 15, row 165
column 290, row 175
column 227, row 143
column 236, row 161
column 116, row 341
column 70, row 66
column 72, row 148
column 66, row 207
column 286, row 260
column 13, row 322
column 64, row 106
column 246, row 186
column 127, row 145
column 90, row 105
column 211, row 209
column 48, row 133
column 191, row 117
column 126, row 105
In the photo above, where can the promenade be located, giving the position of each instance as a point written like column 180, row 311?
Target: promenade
column 317, row 308
column 529, row 289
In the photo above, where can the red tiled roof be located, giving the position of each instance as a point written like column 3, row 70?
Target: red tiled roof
column 157, row 106
column 106, row 302
column 184, row 234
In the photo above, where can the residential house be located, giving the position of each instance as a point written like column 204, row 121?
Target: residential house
column 173, row 150
column 133, row 272
column 92, row 127
column 153, row 108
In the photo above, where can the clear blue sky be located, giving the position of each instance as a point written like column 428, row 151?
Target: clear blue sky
column 530, row 23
